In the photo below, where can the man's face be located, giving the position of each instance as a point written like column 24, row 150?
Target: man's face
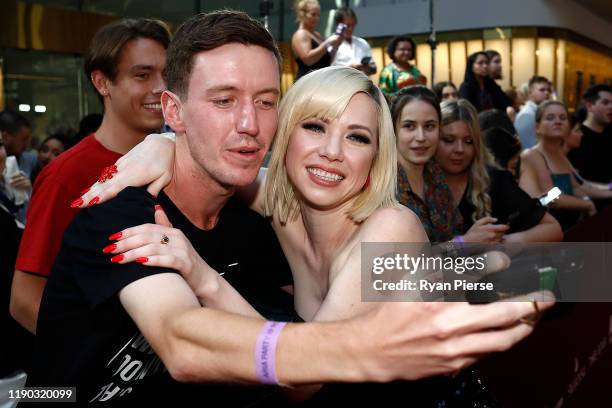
column 18, row 142
column 230, row 111
column 350, row 27
column 495, row 67
column 539, row 92
column 134, row 95
column 602, row 108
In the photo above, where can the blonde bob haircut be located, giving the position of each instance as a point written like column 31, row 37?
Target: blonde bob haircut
column 478, row 180
column 301, row 7
column 324, row 94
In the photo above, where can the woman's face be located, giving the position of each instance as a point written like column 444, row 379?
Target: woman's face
column 311, row 15
column 554, row 122
column 449, row 93
column 574, row 137
column 403, row 52
column 456, row 149
column 328, row 162
column 481, row 66
column 49, row 151
column 418, row 132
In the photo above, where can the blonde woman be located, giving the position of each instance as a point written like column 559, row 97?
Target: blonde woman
column 311, row 52
column 546, row 165
column 493, row 208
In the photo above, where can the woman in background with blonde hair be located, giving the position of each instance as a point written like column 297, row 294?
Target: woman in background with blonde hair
column 493, row 207
column 311, row 52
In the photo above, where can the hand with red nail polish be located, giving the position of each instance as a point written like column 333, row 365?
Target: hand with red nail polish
column 115, row 236
column 109, row 248
column 145, row 244
column 76, row 203
column 150, row 163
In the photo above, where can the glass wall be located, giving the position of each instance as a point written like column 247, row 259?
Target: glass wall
column 49, row 89
column 570, row 66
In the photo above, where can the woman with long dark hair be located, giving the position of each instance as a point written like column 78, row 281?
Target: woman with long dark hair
column 421, row 183
column 479, row 88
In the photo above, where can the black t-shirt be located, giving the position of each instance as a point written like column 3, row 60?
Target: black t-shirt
column 17, row 342
column 592, row 157
column 85, row 338
column 508, row 200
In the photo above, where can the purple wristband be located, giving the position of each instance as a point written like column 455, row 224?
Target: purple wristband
column 460, row 240
column 265, row 352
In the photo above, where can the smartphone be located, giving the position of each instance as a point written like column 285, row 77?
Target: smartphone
column 366, row 60
column 550, row 196
column 340, row 28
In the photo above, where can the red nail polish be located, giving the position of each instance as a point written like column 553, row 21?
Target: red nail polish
column 76, row 203
column 117, row 258
column 142, row 259
column 109, row 248
column 115, row 236
column 157, row 207
column 93, row 201
column 84, row 191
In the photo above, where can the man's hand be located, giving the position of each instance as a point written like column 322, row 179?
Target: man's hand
column 21, row 182
column 403, row 340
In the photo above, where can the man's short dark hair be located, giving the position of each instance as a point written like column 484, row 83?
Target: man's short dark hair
column 106, row 46
column 393, row 45
column 207, row 31
column 592, row 94
column 492, row 53
column 342, row 13
column 12, row 122
column 537, row 79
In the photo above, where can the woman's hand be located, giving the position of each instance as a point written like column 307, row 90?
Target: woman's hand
column 161, row 245
column 485, row 230
column 148, row 162
column 334, row 40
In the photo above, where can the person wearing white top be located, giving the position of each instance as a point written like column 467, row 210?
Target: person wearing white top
column 353, row 51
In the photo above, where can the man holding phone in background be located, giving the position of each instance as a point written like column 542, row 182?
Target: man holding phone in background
column 353, row 51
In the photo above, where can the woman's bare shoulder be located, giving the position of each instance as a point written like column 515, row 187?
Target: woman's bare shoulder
column 532, row 157
column 393, row 224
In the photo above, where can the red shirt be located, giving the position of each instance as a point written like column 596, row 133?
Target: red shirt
column 49, row 212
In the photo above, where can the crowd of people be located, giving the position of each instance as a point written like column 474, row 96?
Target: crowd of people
column 148, row 262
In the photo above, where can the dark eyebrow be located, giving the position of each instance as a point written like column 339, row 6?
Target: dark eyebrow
column 141, row 68
column 356, row 126
column 225, row 88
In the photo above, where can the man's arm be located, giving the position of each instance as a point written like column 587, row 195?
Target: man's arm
column 392, row 341
column 26, row 294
